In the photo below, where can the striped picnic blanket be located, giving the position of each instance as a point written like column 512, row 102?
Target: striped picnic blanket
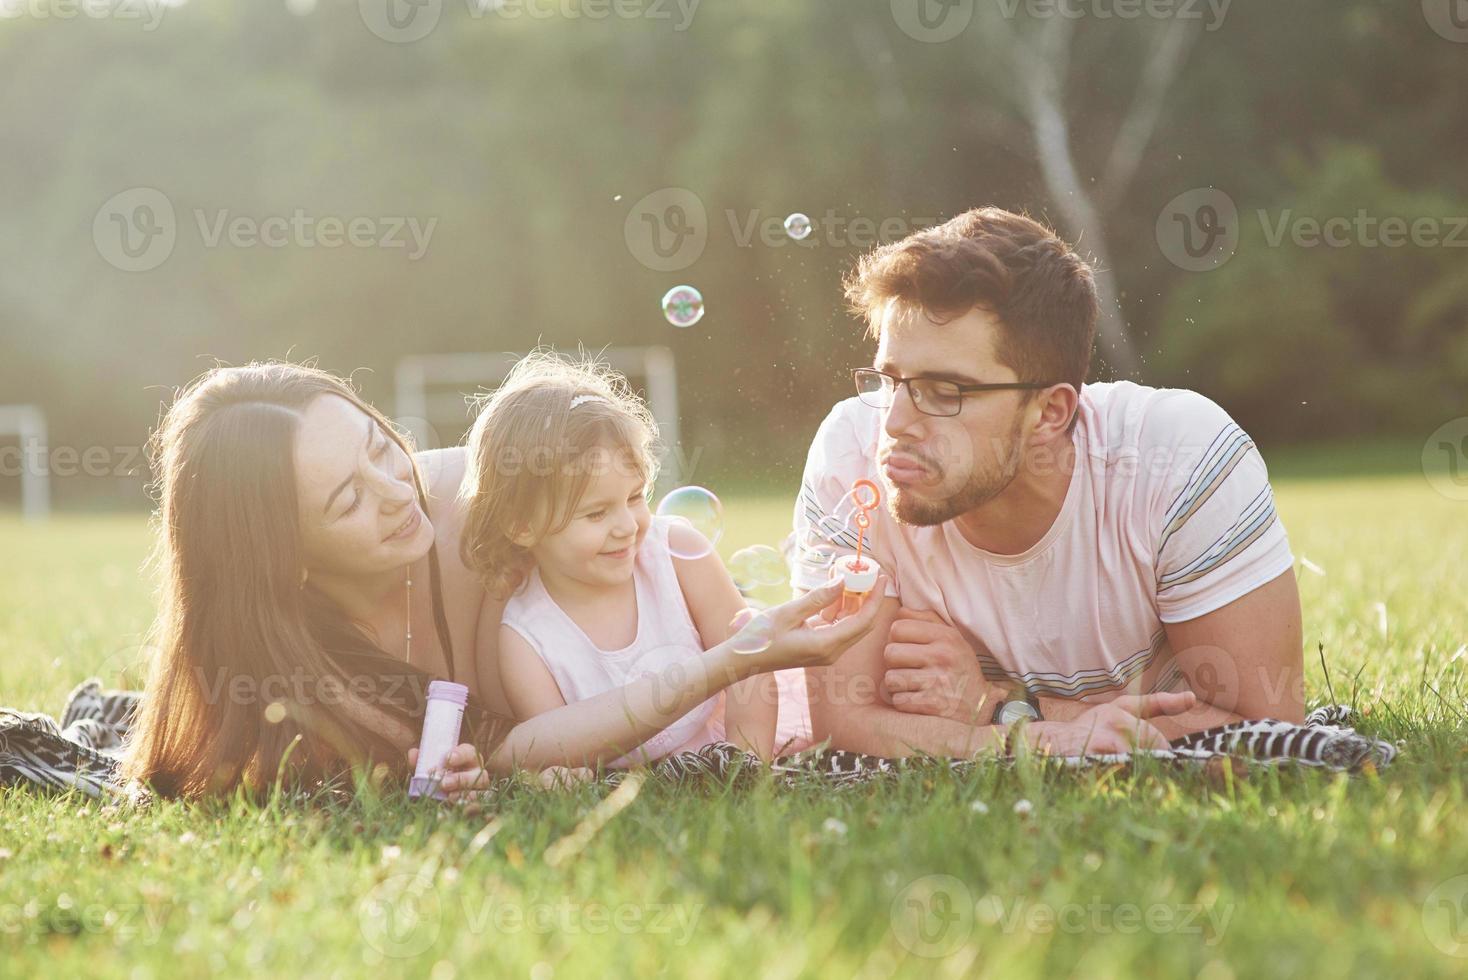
column 80, row 752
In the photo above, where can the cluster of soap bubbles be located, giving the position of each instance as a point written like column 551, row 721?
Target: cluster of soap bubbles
column 817, row 559
column 683, row 306
column 836, row 533
column 762, row 577
column 756, row 566
column 696, row 520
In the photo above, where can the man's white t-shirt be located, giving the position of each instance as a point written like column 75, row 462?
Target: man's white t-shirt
column 1169, row 516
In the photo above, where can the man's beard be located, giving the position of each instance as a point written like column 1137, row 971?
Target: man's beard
column 982, row 486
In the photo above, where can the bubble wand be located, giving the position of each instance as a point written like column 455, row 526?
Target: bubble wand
column 858, row 576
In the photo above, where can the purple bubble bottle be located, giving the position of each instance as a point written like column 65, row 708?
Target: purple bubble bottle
column 441, row 723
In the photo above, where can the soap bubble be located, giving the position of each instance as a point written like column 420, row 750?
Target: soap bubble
column 683, row 306
column 849, row 517
column 757, row 565
column 275, row 712
column 819, row 560
column 697, row 519
column 838, row 527
column 751, row 632
column 797, row 226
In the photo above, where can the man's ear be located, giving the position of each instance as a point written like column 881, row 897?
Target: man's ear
column 1058, row 405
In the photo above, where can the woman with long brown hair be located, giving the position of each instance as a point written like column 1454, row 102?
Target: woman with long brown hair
column 299, row 547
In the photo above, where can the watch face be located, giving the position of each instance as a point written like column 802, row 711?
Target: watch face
column 1014, row 711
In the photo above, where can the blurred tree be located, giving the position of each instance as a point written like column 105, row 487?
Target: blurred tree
column 1312, row 328
column 526, row 141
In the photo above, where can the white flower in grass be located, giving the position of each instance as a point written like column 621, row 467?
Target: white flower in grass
column 834, row 827
column 979, row 807
column 1023, row 807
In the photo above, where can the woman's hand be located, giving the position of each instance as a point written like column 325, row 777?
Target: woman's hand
column 803, row 637
column 464, row 775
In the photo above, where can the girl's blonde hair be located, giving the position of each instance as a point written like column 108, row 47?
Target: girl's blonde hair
column 539, row 439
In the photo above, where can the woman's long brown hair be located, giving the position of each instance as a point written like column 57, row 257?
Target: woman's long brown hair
column 257, row 674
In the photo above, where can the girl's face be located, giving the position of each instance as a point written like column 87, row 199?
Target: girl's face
column 358, row 508
column 607, row 527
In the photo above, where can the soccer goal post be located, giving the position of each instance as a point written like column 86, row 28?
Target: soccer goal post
column 29, row 460
column 431, row 390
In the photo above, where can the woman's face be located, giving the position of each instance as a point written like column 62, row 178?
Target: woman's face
column 358, row 507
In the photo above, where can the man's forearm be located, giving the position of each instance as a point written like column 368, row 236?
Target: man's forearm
column 1200, row 717
column 878, row 729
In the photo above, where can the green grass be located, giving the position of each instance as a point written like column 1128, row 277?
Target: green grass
column 1110, row 873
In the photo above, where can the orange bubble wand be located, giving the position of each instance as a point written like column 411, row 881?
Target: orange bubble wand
column 864, row 515
column 859, row 576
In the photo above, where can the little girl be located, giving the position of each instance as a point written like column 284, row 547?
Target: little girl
column 561, row 463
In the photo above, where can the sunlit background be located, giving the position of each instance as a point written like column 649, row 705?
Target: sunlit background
column 1274, row 193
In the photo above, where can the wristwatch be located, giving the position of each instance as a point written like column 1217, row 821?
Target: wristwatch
column 1015, row 709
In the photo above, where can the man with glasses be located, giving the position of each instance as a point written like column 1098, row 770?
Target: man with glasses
column 1081, row 567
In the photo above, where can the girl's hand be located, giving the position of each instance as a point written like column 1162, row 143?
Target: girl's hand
column 804, row 638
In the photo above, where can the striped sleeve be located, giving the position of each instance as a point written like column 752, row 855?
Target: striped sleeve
column 1216, row 533
column 841, row 453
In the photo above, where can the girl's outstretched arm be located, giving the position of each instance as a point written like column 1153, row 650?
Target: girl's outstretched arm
column 551, row 733
column 571, row 735
column 751, row 707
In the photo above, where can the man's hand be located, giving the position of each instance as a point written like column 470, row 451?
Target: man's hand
column 1117, row 726
column 931, row 669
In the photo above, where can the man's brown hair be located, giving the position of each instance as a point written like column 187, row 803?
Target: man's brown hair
column 1042, row 292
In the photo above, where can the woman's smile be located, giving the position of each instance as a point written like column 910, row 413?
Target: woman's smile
column 409, row 525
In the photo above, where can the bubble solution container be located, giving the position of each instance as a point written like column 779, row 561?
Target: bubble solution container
column 858, row 577
column 441, row 723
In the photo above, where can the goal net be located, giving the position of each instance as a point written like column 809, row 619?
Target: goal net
column 431, row 391
column 23, row 454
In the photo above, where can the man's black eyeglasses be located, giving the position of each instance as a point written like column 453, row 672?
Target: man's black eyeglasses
column 931, row 396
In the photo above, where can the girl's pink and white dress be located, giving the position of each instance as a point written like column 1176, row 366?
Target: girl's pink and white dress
column 665, row 635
